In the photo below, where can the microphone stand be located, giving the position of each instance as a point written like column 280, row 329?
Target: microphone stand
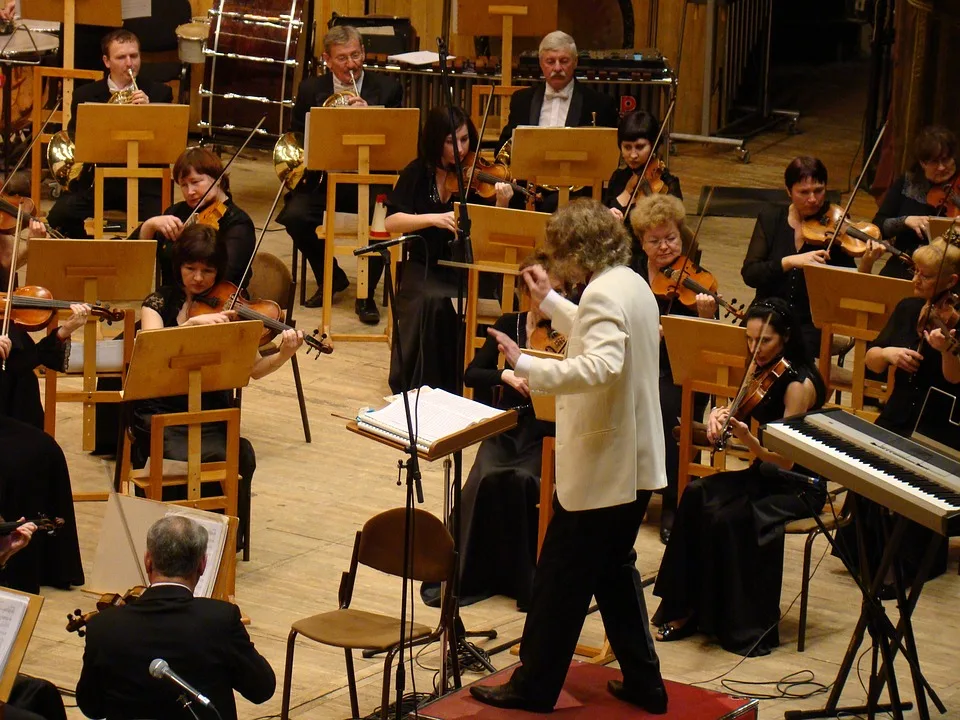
column 461, row 251
column 185, row 702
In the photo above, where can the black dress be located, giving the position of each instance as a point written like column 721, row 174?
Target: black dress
column 19, row 387
column 905, row 197
column 724, row 560
column 773, row 239
column 425, row 312
column 900, row 415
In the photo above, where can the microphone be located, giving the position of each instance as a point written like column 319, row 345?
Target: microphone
column 772, row 470
column 383, row 244
column 160, row 669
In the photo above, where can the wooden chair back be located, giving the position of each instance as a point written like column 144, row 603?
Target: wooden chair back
column 272, row 280
column 432, row 553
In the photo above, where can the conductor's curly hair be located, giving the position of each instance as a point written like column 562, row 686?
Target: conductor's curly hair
column 585, row 234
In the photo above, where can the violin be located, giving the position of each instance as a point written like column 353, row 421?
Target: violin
column 651, row 182
column 546, row 339
column 77, row 620
column 946, row 197
column 33, row 307
column 696, row 280
column 485, row 178
column 853, row 238
column 210, row 215
column 43, row 523
column 944, row 316
column 225, row 296
column 751, row 395
column 10, row 208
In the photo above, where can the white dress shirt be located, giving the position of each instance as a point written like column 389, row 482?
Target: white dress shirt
column 340, row 87
column 553, row 113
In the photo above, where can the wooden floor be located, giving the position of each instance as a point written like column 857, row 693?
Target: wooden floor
column 310, row 499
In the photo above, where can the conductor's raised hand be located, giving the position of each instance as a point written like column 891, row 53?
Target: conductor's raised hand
column 538, row 281
column 510, row 350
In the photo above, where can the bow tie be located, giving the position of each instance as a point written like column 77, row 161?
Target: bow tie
column 559, row 95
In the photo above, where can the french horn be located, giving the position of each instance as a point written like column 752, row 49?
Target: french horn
column 288, row 159
column 60, row 160
column 125, row 96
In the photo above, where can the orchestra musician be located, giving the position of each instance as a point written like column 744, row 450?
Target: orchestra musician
column 721, row 571
column 195, row 171
column 922, row 359
column 560, row 100
column 658, row 220
column 778, row 249
column 121, row 57
column 421, row 203
column 636, row 133
column 906, row 206
column 609, row 459
column 303, row 212
column 202, row 639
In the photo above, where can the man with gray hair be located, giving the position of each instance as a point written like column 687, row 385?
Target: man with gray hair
column 202, row 639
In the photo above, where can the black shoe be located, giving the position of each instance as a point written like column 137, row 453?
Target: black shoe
column 669, row 633
column 504, row 696
column 653, row 700
column 368, row 312
column 315, row 300
column 664, row 534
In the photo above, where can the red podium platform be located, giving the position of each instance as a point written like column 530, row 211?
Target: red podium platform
column 585, row 697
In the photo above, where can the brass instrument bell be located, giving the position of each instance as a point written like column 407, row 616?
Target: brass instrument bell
column 288, row 160
column 340, row 99
column 60, row 159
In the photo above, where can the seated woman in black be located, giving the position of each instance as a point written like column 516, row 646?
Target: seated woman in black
column 778, row 251
column 658, row 222
column 922, row 362
column 722, row 569
column 195, row 171
column 903, row 213
column 420, row 204
column 200, row 260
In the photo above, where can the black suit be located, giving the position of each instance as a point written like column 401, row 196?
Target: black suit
column 304, row 206
column 73, row 207
column 203, row 640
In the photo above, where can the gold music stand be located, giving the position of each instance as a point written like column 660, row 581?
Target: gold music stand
column 564, row 157
column 90, row 271
column 501, row 239
column 706, row 356
column 846, row 302
column 349, row 144
column 130, row 136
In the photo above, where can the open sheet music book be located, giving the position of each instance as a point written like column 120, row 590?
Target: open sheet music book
column 13, row 608
column 436, row 414
column 216, row 527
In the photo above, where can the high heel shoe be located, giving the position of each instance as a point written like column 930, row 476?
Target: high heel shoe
column 669, row 633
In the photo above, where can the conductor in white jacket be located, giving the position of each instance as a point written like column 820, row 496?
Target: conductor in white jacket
column 610, row 458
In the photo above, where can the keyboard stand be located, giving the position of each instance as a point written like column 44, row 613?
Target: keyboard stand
column 886, row 639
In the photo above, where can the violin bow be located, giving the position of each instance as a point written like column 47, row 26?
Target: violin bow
column 216, row 183
column 12, row 275
column 744, row 383
column 483, row 128
column 256, row 248
column 692, row 250
column 651, row 156
column 856, row 189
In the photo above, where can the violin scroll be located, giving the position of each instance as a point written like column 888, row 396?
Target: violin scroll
column 321, row 344
column 77, row 621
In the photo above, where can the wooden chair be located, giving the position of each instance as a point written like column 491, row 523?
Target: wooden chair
column 380, row 545
column 272, row 280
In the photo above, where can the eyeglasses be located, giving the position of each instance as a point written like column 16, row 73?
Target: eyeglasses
column 923, row 276
column 657, row 242
column 355, row 56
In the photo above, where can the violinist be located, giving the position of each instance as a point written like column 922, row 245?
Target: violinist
column 499, row 500
column 658, row 220
column 908, row 202
column 722, row 568
column 200, row 258
column 421, row 203
column 202, row 639
column 778, row 249
column 195, row 171
column 121, row 58
column 919, row 352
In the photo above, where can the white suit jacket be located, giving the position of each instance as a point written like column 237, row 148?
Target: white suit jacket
column 609, row 431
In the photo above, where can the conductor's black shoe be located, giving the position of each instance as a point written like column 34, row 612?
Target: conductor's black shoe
column 653, row 700
column 504, row 696
column 367, row 311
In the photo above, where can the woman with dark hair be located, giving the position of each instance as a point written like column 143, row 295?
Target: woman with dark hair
column 778, row 250
column 722, row 569
column 195, row 171
column 903, row 213
column 421, row 205
column 200, row 259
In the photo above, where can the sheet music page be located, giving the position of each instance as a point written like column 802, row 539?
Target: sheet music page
column 216, row 526
column 437, row 415
column 135, row 9
column 13, row 608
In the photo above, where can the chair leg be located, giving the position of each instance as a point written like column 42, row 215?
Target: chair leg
column 352, row 684
column 303, row 403
column 805, row 588
column 287, row 676
column 385, row 695
column 245, row 493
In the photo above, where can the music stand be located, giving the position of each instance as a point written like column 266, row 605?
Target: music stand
column 8, row 673
column 847, row 302
column 704, row 358
column 501, row 238
column 519, row 18
column 350, row 144
column 939, row 226
column 564, row 157
column 92, row 271
column 130, row 136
